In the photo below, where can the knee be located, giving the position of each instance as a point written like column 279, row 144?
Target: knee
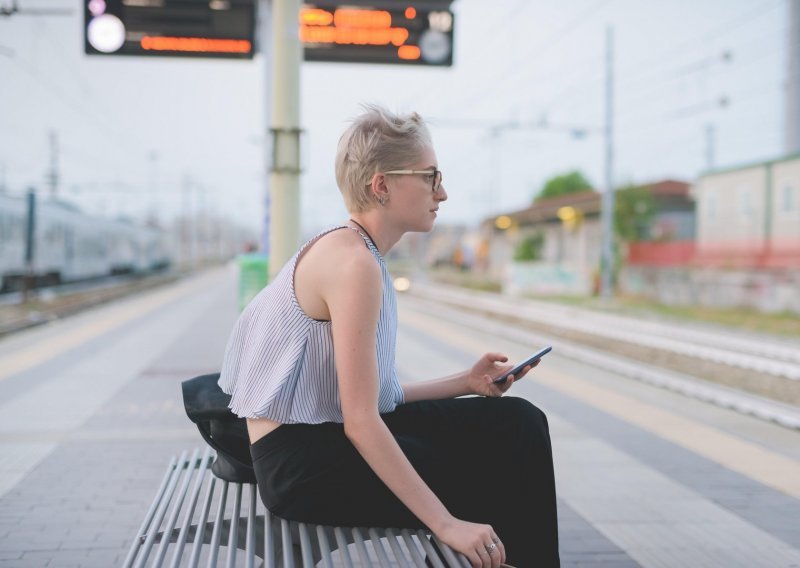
column 523, row 414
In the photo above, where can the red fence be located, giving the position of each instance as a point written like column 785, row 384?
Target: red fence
column 744, row 255
column 677, row 253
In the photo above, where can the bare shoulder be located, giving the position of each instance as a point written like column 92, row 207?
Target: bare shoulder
column 336, row 269
column 345, row 256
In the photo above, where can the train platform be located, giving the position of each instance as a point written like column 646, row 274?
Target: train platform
column 91, row 412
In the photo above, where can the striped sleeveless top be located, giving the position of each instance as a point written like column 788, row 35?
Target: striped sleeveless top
column 279, row 363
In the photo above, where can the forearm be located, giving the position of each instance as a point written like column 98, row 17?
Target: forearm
column 380, row 450
column 446, row 387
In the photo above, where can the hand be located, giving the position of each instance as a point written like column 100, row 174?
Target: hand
column 487, row 369
column 475, row 541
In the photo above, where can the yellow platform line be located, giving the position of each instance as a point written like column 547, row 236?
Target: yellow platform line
column 757, row 463
column 48, row 349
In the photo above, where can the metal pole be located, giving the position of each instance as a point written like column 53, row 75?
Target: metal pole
column 30, row 234
column 264, row 37
column 792, row 105
column 607, row 256
column 710, row 146
column 284, row 232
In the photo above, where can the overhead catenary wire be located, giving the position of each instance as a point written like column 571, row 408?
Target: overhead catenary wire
column 500, row 75
column 649, row 65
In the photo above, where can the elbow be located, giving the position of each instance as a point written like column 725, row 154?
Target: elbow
column 355, row 428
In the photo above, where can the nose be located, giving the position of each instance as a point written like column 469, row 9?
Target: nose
column 441, row 193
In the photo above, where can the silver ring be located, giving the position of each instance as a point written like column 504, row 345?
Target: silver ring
column 495, row 540
column 490, row 548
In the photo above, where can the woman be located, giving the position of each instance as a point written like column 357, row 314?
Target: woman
column 335, row 438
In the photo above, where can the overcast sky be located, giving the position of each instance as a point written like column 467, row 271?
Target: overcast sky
column 131, row 129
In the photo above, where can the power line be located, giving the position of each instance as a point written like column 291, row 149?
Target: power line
column 625, row 76
column 544, row 47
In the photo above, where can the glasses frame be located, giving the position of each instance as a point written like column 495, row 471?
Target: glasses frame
column 434, row 172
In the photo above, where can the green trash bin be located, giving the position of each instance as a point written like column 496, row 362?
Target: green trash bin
column 253, row 276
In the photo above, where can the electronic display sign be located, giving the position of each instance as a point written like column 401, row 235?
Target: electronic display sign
column 187, row 28
column 409, row 33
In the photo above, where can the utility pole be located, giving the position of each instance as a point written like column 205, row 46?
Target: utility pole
column 607, row 252
column 264, row 39
column 30, row 241
column 187, row 226
column 284, row 176
column 792, row 117
column 710, row 135
column 152, row 216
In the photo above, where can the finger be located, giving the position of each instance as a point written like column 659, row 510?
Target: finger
column 497, row 389
column 523, row 372
column 495, row 556
column 501, row 548
column 497, row 357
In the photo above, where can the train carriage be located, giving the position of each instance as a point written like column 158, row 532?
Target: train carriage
column 71, row 246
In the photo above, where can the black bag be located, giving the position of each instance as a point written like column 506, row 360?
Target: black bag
column 207, row 406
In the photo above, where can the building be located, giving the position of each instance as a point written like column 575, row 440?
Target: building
column 749, row 216
column 567, row 232
column 748, row 237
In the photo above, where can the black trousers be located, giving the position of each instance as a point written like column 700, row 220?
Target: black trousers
column 488, row 459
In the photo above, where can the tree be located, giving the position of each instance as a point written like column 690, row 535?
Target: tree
column 634, row 209
column 571, row 182
column 530, row 248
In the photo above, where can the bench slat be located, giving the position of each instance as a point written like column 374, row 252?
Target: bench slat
column 216, row 535
column 202, row 470
column 187, row 473
column 305, row 545
column 233, row 531
column 412, row 547
column 344, row 552
column 149, row 516
column 397, row 550
column 324, row 546
column 269, row 539
column 202, row 523
column 361, row 549
column 152, row 531
column 250, row 547
column 286, row 542
column 454, row 559
column 377, row 545
column 433, row 556
column 237, row 520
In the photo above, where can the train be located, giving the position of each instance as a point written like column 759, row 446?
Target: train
column 70, row 246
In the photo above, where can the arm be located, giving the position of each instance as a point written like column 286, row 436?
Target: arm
column 353, row 299
column 477, row 380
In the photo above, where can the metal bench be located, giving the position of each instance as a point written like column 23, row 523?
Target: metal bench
column 243, row 531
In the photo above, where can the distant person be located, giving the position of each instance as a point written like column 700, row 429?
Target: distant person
column 335, row 438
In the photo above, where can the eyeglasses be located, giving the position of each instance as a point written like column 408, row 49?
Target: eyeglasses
column 435, row 175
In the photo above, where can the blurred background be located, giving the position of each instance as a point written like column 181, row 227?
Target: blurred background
column 162, row 161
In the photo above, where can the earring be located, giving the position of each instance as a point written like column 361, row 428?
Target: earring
column 381, row 200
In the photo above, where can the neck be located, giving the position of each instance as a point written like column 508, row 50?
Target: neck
column 383, row 236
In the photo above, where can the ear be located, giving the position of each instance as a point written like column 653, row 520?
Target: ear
column 378, row 185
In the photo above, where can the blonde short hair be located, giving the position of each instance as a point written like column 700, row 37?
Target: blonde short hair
column 376, row 141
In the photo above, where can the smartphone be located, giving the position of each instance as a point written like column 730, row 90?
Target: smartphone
column 502, row 378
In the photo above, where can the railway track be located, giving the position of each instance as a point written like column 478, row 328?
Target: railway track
column 47, row 304
column 732, row 349
column 753, row 374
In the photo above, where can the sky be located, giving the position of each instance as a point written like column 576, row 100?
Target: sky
column 141, row 135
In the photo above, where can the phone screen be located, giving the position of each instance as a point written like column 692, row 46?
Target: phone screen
column 535, row 357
